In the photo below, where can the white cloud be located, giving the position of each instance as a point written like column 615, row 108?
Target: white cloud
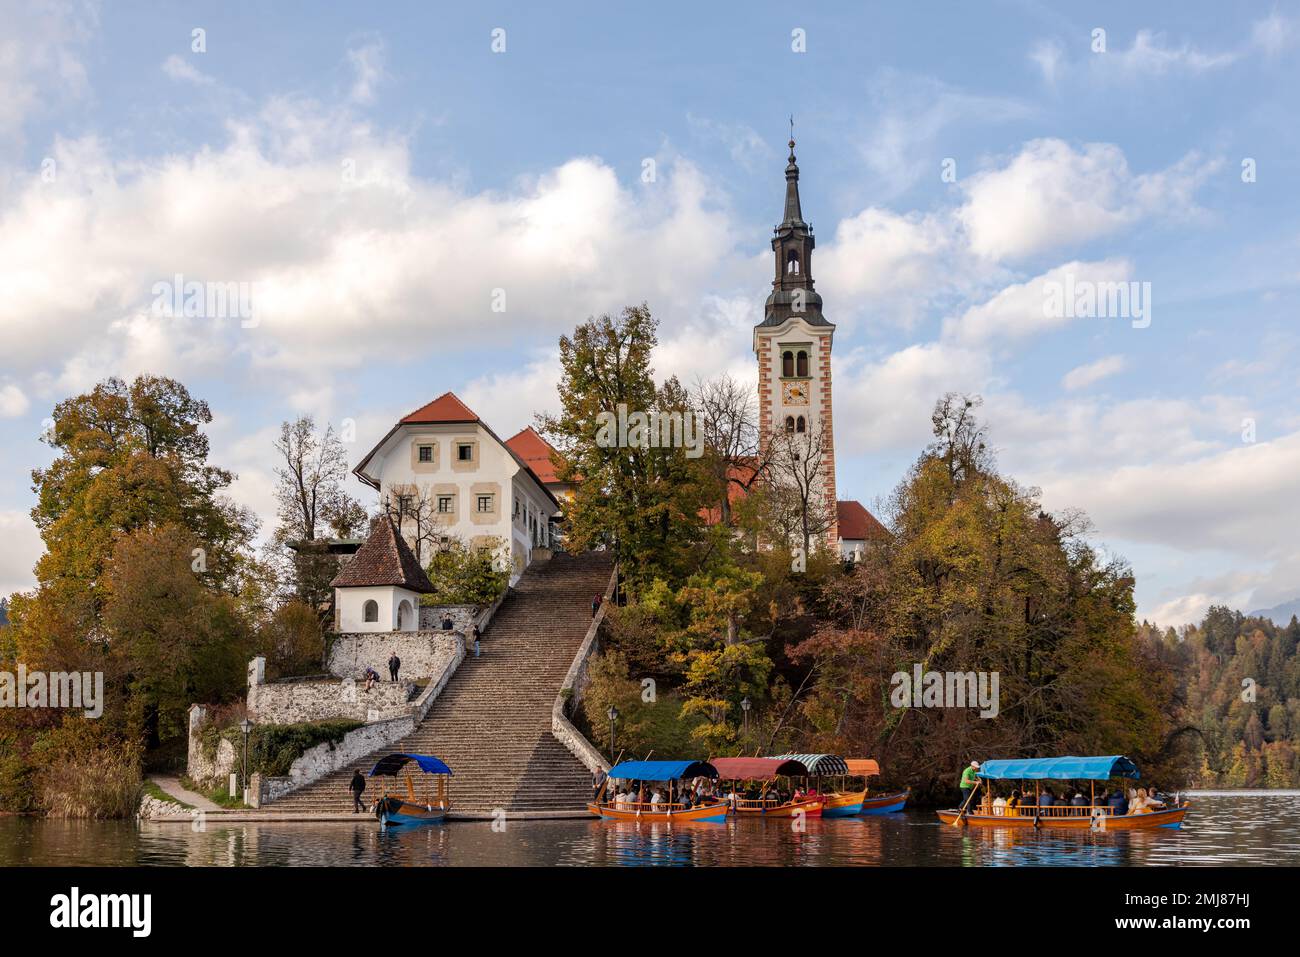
column 1081, row 377
column 1233, row 500
column 885, row 403
column 40, row 57
column 1274, row 34
column 913, row 115
column 881, row 253
column 1023, row 309
column 178, row 68
column 13, row 402
column 1047, row 56
column 1151, row 54
column 22, row 547
column 347, row 252
column 367, row 62
column 1052, row 195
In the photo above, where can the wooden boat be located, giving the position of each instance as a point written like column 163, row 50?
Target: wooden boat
column 394, row 810
column 657, row 772
column 847, row 803
column 1094, row 815
column 766, row 770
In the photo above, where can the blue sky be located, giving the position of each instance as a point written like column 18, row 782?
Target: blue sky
column 375, row 174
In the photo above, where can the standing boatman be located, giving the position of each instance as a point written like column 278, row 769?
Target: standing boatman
column 968, row 781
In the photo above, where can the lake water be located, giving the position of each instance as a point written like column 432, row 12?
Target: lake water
column 1222, row 828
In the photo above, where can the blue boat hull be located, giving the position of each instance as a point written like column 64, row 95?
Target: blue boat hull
column 888, row 809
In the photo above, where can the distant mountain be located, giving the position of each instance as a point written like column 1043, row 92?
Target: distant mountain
column 1280, row 614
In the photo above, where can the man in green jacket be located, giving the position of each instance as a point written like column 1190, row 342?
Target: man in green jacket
column 968, row 781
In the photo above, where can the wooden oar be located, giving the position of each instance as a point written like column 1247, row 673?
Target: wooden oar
column 970, row 797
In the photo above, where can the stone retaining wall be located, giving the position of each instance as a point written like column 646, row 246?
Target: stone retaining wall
column 199, row 766
column 293, row 702
column 462, row 616
column 575, row 683
column 423, row 653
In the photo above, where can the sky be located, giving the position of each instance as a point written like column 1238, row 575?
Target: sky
column 423, row 197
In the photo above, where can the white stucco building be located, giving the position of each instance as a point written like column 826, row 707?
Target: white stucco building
column 446, row 473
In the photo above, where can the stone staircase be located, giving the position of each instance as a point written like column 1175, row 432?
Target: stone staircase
column 492, row 723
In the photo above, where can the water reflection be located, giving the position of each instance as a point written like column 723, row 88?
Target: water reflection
column 1224, row 828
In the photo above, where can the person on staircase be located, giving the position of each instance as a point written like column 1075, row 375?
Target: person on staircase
column 394, row 663
column 595, row 606
column 473, row 640
column 358, row 787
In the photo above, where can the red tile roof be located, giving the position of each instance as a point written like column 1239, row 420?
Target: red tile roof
column 856, row 523
column 384, row 559
column 445, row 408
column 536, row 452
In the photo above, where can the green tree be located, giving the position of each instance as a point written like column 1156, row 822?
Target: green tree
column 465, row 575
column 645, row 503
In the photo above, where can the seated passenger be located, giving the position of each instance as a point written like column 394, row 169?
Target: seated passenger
column 657, row 797
column 1138, row 802
column 1014, row 803
column 1078, row 800
column 999, row 806
column 1116, row 803
column 1047, row 798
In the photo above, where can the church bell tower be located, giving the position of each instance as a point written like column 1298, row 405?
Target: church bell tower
column 793, row 346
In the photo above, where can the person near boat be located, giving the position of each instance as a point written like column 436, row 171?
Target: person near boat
column 969, row 778
column 357, row 787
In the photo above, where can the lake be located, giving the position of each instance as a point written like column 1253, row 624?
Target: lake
column 1224, row 828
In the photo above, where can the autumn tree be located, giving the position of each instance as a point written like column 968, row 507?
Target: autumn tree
column 637, row 497
column 312, row 505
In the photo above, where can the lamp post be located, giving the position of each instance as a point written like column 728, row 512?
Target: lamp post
column 613, row 716
column 246, row 726
column 745, row 705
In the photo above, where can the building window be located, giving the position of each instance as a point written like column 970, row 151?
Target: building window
column 789, row 423
column 802, row 367
column 792, row 262
column 787, row 364
column 465, row 452
column 799, row 425
column 370, row 611
column 426, row 453
column 485, row 503
column 403, row 505
column 445, row 505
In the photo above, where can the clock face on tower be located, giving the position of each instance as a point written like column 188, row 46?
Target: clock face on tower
column 794, row 393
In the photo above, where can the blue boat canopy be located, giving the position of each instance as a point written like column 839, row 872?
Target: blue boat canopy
column 389, row 765
column 662, row 770
column 1060, row 769
column 818, row 764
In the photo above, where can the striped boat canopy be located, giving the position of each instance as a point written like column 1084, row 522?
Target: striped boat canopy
column 818, row 764
column 1060, row 769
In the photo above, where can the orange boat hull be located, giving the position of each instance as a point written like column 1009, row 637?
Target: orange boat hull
column 1171, row 818
column 704, row 812
column 811, row 808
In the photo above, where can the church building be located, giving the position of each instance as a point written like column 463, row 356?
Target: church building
column 793, row 348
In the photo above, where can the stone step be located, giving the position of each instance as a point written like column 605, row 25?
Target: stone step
column 492, row 723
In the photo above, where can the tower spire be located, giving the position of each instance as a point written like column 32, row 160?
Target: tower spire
column 793, row 211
